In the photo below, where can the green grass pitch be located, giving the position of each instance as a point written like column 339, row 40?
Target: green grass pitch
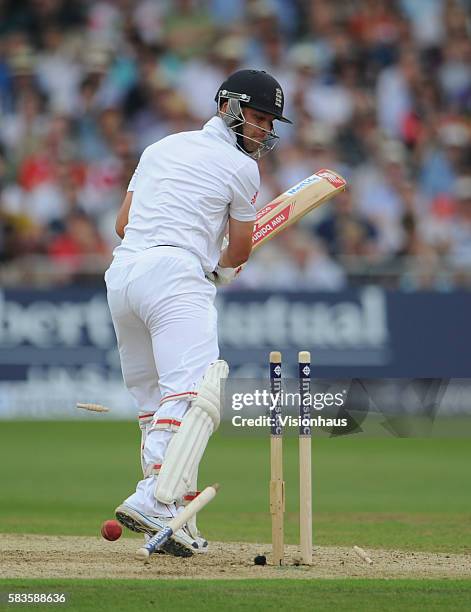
column 251, row 595
column 67, row 477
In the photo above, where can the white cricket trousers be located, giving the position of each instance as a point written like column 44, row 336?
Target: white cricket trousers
column 165, row 321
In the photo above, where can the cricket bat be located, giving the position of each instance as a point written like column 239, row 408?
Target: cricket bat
column 294, row 203
column 291, row 206
column 159, row 539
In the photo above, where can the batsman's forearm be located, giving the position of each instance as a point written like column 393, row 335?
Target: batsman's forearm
column 229, row 259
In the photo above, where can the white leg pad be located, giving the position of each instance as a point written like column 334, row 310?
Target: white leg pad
column 191, row 523
column 188, row 445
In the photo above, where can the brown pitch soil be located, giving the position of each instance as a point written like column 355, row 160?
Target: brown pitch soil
column 41, row 556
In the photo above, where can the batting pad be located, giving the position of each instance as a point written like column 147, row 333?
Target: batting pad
column 188, row 445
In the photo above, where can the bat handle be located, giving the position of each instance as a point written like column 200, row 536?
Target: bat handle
column 154, row 543
column 159, row 539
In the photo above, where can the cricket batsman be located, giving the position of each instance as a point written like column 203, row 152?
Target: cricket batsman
column 186, row 190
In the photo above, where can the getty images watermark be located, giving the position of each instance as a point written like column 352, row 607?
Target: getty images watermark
column 410, row 407
column 286, row 409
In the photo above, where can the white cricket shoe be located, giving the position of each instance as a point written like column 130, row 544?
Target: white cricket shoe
column 180, row 544
column 203, row 546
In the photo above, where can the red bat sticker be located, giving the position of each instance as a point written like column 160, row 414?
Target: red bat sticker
column 333, row 179
column 269, row 226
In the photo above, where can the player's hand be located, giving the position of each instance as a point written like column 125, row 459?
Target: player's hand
column 223, row 276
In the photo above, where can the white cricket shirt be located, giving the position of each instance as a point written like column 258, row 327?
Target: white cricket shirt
column 185, row 188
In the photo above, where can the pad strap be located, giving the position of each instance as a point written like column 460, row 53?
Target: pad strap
column 166, row 424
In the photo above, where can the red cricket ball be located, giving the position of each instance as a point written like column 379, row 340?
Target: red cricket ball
column 111, row 530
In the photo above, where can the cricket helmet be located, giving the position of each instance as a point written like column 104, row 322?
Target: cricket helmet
column 256, row 89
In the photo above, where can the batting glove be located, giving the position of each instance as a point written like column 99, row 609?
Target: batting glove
column 223, row 276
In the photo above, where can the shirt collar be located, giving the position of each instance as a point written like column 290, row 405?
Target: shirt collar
column 217, row 127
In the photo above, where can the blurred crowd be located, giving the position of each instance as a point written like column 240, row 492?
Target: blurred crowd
column 378, row 90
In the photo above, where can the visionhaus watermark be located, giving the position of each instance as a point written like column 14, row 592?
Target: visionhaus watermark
column 288, row 421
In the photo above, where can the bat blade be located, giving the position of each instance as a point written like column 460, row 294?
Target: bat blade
column 294, row 203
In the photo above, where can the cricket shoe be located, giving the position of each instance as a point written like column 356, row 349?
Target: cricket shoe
column 203, row 546
column 180, row 544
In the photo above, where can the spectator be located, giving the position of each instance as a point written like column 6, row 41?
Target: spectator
column 58, row 71
column 394, row 93
column 376, row 192
column 346, row 232
column 444, row 159
column 78, row 243
column 380, row 91
column 460, row 239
